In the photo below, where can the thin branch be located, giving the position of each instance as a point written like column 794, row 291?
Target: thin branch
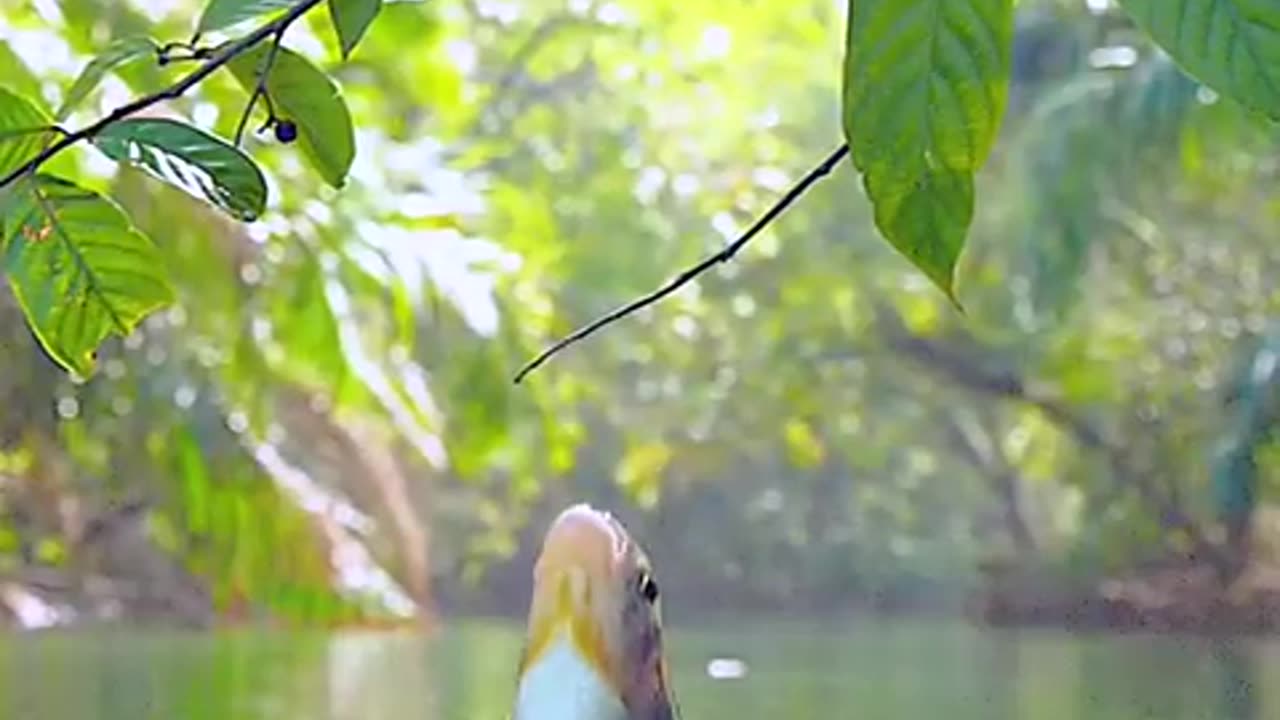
column 218, row 59
column 260, row 86
column 1006, row 481
column 537, row 38
column 191, row 52
column 813, row 176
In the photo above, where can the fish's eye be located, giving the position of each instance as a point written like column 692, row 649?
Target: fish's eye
column 648, row 587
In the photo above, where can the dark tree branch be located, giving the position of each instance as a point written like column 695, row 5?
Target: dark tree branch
column 986, row 456
column 970, row 373
column 217, row 59
column 813, row 176
column 537, row 39
column 191, row 52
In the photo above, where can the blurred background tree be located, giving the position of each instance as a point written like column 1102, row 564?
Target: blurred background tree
column 323, row 428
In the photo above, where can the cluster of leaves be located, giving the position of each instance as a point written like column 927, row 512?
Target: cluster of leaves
column 925, row 85
column 77, row 265
column 264, row 332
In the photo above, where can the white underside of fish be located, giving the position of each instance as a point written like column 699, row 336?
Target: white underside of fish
column 563, row 686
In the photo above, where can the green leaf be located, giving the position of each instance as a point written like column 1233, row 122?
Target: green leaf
column 925, row 83
column 117, row 53
column 640, row 471
column 17, row 74
column 24, row 128
column 350, row 19
column 804, row 446
column 1233, row 46
column 219, row 14
column 926, row 218
column 78, row 268
column 309, row 332
column 201, row 164
column 300, row 92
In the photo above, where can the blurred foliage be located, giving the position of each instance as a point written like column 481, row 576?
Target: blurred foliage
column 322, row 427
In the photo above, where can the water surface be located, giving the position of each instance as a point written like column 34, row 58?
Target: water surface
column 862, row 670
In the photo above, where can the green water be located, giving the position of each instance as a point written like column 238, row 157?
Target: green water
column 862, row 670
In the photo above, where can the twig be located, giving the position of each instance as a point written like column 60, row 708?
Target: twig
column 260, row 87
column 219, row 58
column 192, row 52
column 822, row 170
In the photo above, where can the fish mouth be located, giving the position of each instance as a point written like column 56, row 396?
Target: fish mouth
column 576, row 592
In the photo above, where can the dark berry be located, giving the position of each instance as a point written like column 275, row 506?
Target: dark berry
column 286, row 131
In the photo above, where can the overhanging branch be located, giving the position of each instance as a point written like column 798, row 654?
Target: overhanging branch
column 967, row 372
column 693, row 272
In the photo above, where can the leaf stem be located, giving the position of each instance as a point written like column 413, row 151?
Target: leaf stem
column 218, row 59
column 260, row 87
column 691, row 273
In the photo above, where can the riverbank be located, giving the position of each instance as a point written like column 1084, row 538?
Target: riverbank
column 1185, row 598
column 1175, row 599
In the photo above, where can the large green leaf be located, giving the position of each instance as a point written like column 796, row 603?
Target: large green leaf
column 117, row 53
column 201, row 164
column 1233, row 46
column 926, row 217
column 24, row 127
column 925, row 83
column 301, row 93
column 17, row 74
column 79, row 269
column 350, row 19
column 219, row 14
